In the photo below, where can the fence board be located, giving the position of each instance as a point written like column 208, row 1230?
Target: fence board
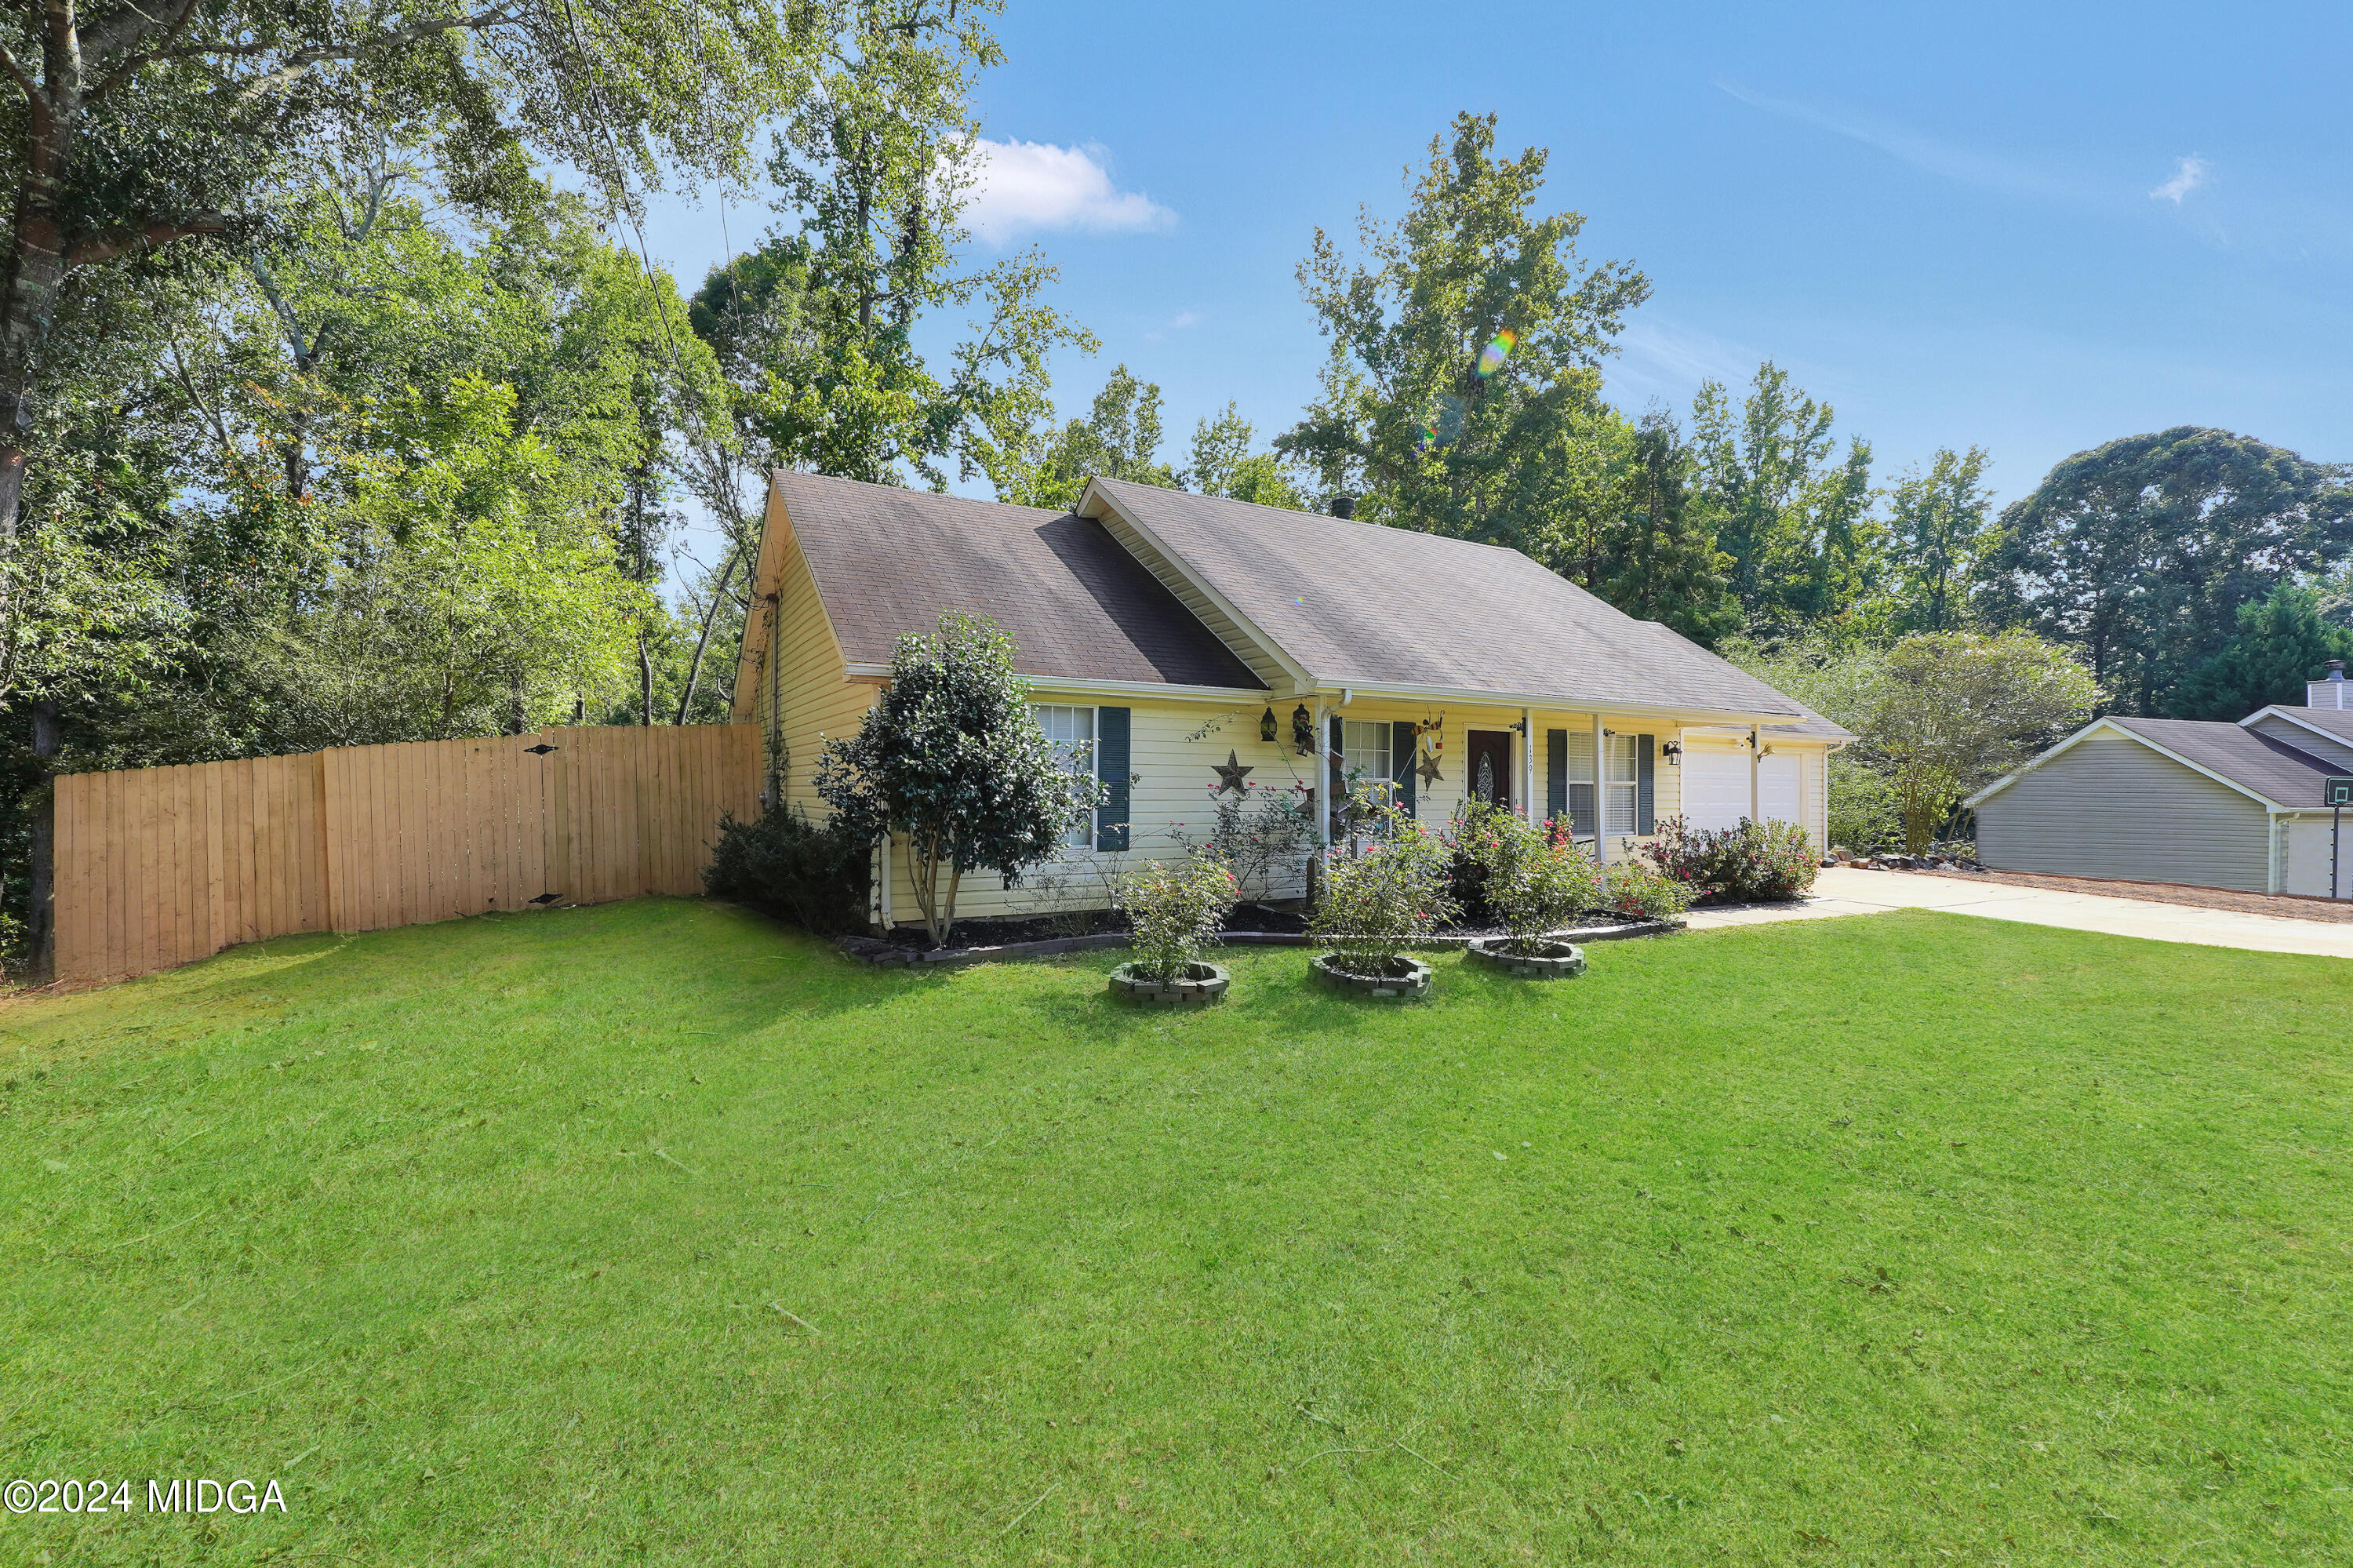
column 158, row 866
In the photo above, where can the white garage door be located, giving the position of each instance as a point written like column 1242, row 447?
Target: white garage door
column 1715, row 787
column 1777, row 794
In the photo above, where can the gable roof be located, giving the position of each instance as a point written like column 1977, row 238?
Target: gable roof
column 1363, row 605
column 2337, row 724
column 2246, row 760
column 1078, row 606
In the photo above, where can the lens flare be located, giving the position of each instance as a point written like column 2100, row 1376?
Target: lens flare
column 1491, row 357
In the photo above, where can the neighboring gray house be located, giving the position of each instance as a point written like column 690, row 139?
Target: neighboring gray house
column 2209, row 804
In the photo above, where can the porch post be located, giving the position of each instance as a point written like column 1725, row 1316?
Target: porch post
column 1600, row 795
column 1324, row 801
column 1755, row 770
column 1528, row 765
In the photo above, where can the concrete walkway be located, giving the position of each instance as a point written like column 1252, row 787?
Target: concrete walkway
column 1840, row 890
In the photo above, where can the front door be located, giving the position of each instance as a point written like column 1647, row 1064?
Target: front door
column 1490, row 764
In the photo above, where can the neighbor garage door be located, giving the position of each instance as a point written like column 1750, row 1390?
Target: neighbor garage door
column 1777, row 793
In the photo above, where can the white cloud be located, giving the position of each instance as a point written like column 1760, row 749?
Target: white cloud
column 1185, row 319
column 2188, row 174
column 1910, row 147
column 1023, row 186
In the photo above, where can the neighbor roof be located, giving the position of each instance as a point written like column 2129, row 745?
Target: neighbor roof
column 1077, row 604
column 1359, row 604
column 2272, row 768
column 2327, row 721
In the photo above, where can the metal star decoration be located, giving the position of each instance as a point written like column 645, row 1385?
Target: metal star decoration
column 1229, row 774
column 1429, row 770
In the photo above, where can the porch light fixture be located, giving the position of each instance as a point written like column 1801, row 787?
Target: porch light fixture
column 1303, row 730
column 1266, row 725
column 1673, row 752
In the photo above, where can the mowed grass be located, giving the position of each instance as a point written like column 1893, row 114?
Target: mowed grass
column 655, row 1233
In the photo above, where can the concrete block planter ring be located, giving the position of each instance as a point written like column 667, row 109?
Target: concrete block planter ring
column 1551, row 960
column 1203, row 985
column 1407, row 981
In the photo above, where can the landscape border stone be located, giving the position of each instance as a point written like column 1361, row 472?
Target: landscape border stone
column 1203, row 988
column 875, row 950
column 1411, row 986
column 1566, row 962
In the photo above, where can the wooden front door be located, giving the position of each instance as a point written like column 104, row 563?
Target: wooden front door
column 1488, row 766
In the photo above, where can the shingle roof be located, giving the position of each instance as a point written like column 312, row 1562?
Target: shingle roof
column 889, row 561
column 2272, row 768
column 1356, row 603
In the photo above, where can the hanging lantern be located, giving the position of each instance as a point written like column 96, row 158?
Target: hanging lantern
column 1303, row 730
column 1266, row 726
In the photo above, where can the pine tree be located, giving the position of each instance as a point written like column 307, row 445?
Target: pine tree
column 2281, row 643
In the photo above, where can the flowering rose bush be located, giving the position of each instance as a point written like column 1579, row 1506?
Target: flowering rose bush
column 1748, row 864
column 1380, row 898
column 1637, row 887
column 1533, row 879
column 1175, row 910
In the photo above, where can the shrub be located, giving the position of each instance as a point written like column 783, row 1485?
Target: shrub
column 780, row 861
column 1748, row 864
column 1377, row 900
column 1533, row 879
column 1264, row 834
column 951, row 755
column 1637, row 887
column 1175, row 910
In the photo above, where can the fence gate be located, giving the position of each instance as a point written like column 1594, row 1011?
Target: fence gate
column 157, row 866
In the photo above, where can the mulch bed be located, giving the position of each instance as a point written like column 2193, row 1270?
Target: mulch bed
column 2285, row 906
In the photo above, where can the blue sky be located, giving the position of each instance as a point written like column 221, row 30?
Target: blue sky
column 2032, row 228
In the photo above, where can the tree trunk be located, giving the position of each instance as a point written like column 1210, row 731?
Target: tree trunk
column 645, row 681
column 42, row 901
column 703, row 641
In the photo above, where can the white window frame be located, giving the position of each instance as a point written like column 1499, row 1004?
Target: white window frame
column 1382, row 779
column 1621, row 797
column 1081, row 832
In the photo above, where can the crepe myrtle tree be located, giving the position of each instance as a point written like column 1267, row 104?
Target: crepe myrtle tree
column 952, row 759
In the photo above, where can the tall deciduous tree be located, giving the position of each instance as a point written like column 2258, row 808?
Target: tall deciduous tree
column 1792, row 514
column 1224, row 463
column 1663, row 563
column 1465, row 348
column 1939, row 527
column 2140, row 552
column 816, row 327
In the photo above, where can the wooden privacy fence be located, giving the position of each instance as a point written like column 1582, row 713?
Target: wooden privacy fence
column 158, row 866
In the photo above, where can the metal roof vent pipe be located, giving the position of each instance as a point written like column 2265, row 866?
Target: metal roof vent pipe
column 1344, row 507
column 2328, row 692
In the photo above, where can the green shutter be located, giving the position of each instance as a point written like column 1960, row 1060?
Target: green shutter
column 1646, row 787
column 1332, row 769
column 1557, row 775
column 1111, row 767
column 1401, row 760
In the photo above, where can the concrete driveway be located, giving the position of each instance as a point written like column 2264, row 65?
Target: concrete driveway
column 1840, row 890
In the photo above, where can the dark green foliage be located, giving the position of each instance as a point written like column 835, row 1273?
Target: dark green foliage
column 815, row 876
column 952, row 760
column 2281, row 643
column 1752, row 864
column 2140, row 552
column 1664, row 564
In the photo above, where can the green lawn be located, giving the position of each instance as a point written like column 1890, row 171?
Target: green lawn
column 651, row 1232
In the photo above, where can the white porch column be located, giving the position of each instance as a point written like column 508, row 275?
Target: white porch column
column 1756, row 773
column 1323, row 801
column 1601, row 794
column 1528, row 766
